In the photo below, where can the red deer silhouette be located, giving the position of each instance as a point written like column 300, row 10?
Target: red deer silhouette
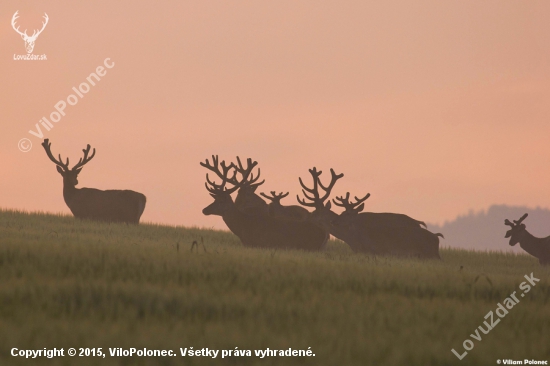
column 94, row 204
column 537, row 247
column 261, row 231
column 385, row 233
column 285, row 212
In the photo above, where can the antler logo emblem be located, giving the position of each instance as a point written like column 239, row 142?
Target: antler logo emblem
column 29, row 40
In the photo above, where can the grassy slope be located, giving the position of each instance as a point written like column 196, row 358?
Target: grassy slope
column 67, row 283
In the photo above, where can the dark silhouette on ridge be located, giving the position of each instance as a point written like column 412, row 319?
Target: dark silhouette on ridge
column 257, row 230
column 94, row 204
column 385, row 233
column 374, row 233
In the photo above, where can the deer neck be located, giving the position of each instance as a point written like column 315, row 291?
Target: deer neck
column 235, row 219
column 69, row 190
column 531, row 244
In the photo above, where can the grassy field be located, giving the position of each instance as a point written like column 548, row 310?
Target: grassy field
column 69, row 283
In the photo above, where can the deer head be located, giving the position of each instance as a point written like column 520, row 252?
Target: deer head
column 314, row 199
column 517, row 229
column 69, row 175
column 352, row 209
column 220, row 193
column 29, row 40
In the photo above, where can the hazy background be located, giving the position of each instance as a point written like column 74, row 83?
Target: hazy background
column 434, row 107
column 485, row 229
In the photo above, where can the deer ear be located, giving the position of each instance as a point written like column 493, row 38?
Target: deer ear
column 78, row 171
column 328, row 205
column 59, row 170
column 360, row 207
column 508, row 234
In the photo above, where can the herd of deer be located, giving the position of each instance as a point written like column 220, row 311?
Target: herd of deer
column 262, row 225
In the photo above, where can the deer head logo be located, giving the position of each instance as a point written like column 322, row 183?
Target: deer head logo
column 29, row 40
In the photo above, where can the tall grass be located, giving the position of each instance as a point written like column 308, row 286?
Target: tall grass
column 70, row 283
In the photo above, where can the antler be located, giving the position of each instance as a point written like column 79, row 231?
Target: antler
column 219, row 188
column 247, row 178
column 350, row 206
column 47, row 146
column 275, row 197
column 314, row 191
column 83, row 161
column 516, row 222
column 313, row 196
column 215, row 168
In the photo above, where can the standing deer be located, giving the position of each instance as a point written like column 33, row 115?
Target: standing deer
column 29, row 40
column 286, row 212
column 261, row 231
column 94, row 204
column 385, row 233
column 537, row 247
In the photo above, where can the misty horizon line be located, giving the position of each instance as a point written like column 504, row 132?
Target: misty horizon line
column 471, row 213
column 485, row 211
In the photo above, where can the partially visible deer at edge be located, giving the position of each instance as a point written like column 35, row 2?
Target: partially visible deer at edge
column 537, row 247
column 90, row 203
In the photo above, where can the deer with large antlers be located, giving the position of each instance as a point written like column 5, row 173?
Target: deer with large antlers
column 537, row 247
column 293, row 212
column 29, row 40
column 261, row 231
column 385, row 233
column 94, row 204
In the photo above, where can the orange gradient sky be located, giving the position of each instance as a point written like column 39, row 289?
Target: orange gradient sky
column 434, row 107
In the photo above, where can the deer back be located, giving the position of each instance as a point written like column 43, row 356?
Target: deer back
column 111, row 205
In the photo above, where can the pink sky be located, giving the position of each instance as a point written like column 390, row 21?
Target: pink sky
column 434, row 107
